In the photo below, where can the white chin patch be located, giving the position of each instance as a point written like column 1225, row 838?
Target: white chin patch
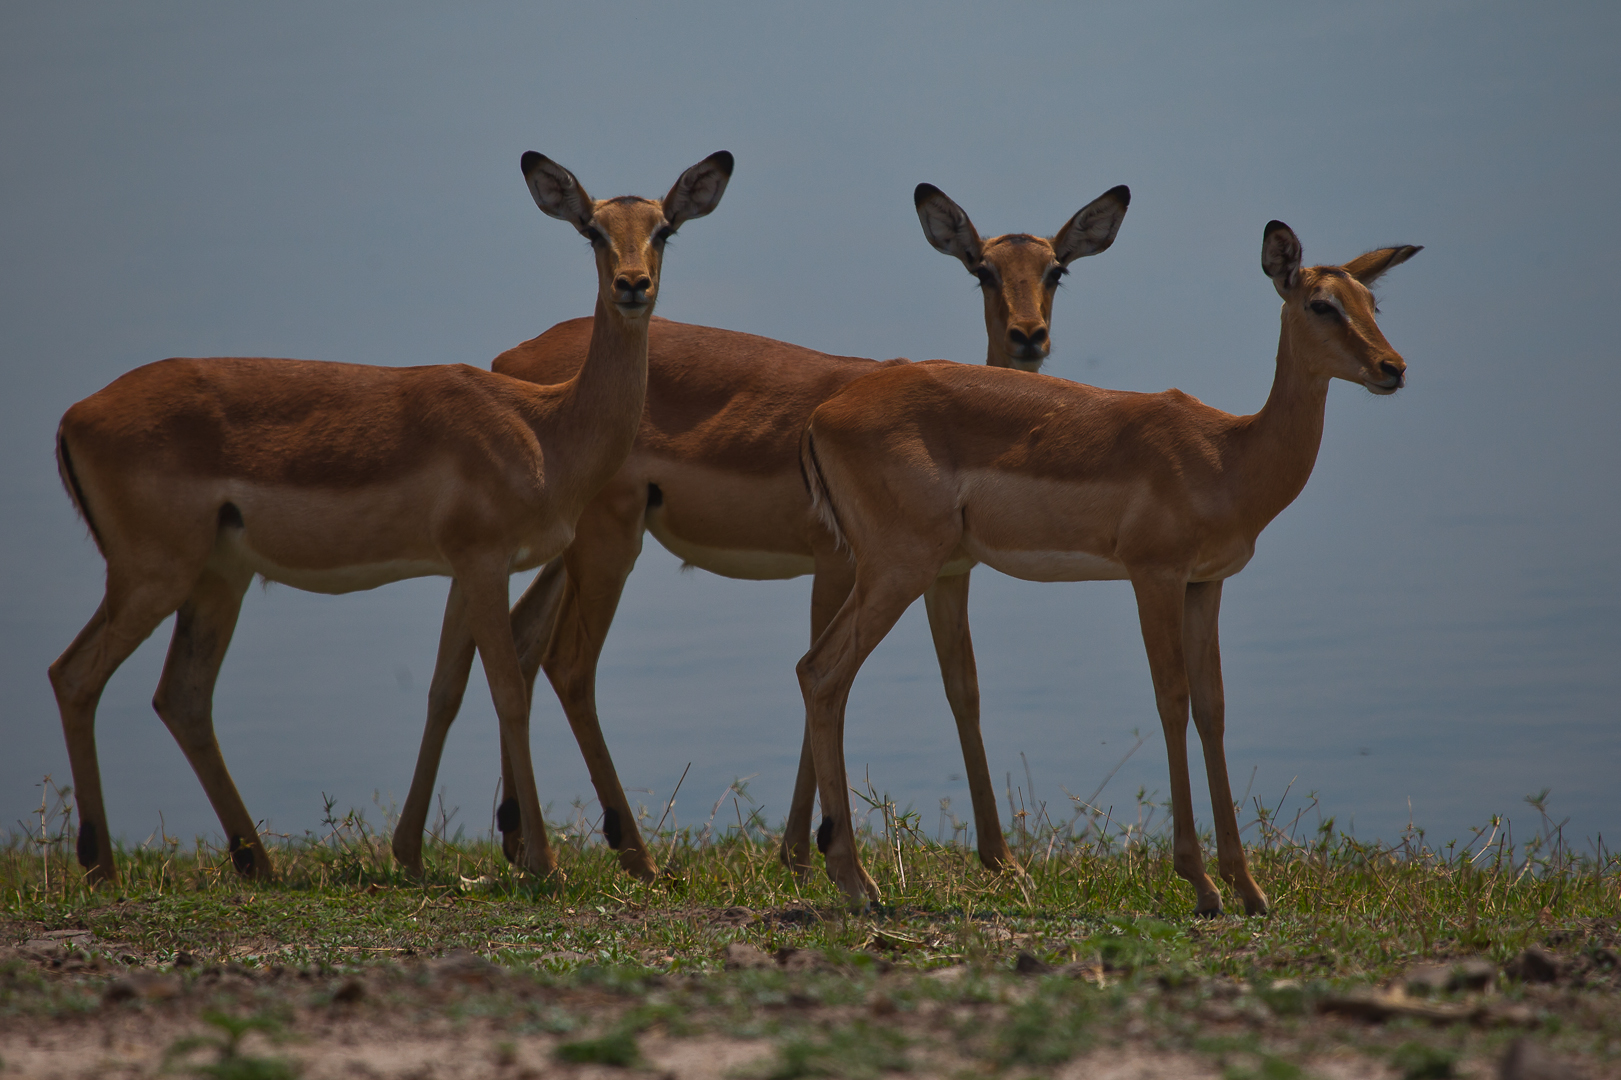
column 1028, row 365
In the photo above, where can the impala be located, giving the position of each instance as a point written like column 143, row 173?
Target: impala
column 195, row 475
column 927, row 469
column 714, row 475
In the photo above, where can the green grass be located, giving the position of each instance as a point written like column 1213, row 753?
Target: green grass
column 1346, row 913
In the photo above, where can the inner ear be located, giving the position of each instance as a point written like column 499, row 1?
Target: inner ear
column 946, row 226
column 556, row 191
column 699, row 189
column 1093, row 228
column 1280, row 256
column 1372, row 266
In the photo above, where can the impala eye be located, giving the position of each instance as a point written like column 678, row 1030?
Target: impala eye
column 596, row 238
column 1322, row 307
column 663, row 233
column 986, row 276
column 1055, row 276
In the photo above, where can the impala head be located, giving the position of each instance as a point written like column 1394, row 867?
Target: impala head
column 627, row 233
column 1328, row 311
column 1018, row 273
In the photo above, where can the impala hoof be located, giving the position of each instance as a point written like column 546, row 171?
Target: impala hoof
column 1208, row 912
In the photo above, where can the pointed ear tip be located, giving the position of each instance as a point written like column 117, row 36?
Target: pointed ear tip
column 923, row 191
column 1273, row 226
column 724, row 160
column 1121, row 192
column 529, row 161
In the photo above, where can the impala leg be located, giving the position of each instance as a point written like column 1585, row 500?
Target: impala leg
column 185, row 702
column 78, row 677
column 1160, row 610
column 485, row 588
column 533, row 617
column 825, row 676
column 947, row 603
column 606, row 542
column 1203, row 651
column 451, row 669
column 829, row 589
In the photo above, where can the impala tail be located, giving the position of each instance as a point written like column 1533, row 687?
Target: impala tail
column 70, row 481
column 816, row 483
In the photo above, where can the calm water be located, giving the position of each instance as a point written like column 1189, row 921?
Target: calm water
column 1427, row 635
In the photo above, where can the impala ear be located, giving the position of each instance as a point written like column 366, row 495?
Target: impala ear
column 1093, row 227
column 946, row 226
column 1372, row 266
column 699, row 189
column 556, row 191
column 1280, row 257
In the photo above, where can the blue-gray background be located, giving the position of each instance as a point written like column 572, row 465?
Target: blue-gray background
column 1428, row 634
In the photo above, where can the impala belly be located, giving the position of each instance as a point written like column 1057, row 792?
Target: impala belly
column 1048, row 565
column 736, row 525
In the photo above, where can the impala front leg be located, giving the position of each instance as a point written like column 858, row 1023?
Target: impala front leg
column 485, row 588
column 947, row 604
column 1160, row 610
column 533, row 618
column 1203, row 651
column 607, row 540
column 451, row 668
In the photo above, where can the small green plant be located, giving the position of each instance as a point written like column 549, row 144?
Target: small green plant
column 1417, row 1061
column 861, row 1051
column 618, row 1047
column 232, row 1064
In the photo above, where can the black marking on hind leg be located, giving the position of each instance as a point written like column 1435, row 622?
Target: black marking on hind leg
column 241, row 855
column 230, row 516
column 610, row 827
column 88, row 848
column 507, row 815
column 824, row 835
column 655, row 497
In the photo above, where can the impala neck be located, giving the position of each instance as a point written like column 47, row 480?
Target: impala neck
column 602, row 411
column 1283, row 438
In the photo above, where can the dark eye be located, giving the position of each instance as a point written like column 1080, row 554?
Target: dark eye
column 1322, row 307
column 985, row 275
column 663, row 233
column 1055, row 276
column 596, row 238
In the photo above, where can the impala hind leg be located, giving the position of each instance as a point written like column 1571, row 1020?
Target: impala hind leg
column 184, row 701
column 607, row 540
column 947, row 604
column 825, row 676
column 1160, row 610
column 1203, row 650
column 125, row 618
column 484, row 586
column 451, row 668
column 835, row 574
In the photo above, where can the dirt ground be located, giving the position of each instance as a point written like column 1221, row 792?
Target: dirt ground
column 75, row 1006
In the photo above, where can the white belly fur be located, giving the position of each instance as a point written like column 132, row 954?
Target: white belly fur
column 1048, row 565
column 338, row 579
column 731, row 562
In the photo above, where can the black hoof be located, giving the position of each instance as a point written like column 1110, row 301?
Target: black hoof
column 242, row 856
column 507, row 815
column 88, row 849
column 1207, row 913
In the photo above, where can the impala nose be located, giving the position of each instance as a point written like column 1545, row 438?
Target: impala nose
column 1395, row 373
column 632, row 289
column 1027, row 342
